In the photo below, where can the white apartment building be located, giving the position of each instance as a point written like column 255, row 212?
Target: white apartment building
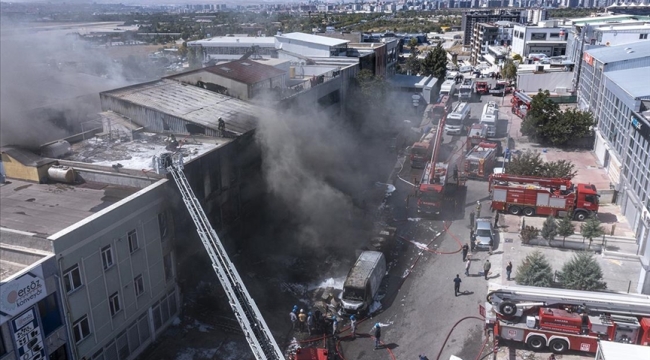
column 548, row 37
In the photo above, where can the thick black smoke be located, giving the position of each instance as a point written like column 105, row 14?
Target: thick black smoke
column 323, row 170
column 50, row 82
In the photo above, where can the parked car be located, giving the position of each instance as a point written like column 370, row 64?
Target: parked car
column 484, row 233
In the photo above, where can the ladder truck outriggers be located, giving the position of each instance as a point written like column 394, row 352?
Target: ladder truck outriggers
column 531, row 195
column 250, row 319
column 562, row 320
column 440, row 180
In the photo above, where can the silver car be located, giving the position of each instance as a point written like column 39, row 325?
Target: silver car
column 484, row 233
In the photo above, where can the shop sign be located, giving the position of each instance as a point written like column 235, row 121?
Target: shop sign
column 28, row 337
column 640, row 126
column 19, row 294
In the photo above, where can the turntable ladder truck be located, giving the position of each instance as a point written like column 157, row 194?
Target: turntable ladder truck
column 250, row 319
column 563, row 320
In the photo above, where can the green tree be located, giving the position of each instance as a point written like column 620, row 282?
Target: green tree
column 413, row 65
column 517, row 57
column 509, row 71
column 527, row 163
column 535, row 271
column 428, row 64
column 413, row 44
column 565, row 227
column 549, row 229
column 528, row 233
column 564, row 169
column 546, row 123
column 582, row 272
column 543, row 111
column 440, row 58
column 591, row 229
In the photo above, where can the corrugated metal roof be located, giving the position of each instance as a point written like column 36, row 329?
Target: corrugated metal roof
column 610, row 54
column 315, row 39
column 621, row 351
column 191, row 103
column 630, row 81
column 245, row 71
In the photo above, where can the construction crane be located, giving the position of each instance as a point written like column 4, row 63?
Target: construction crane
column 250, row 319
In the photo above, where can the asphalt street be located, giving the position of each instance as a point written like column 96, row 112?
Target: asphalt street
column 420, row 308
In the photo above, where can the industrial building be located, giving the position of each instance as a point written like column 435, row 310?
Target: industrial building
column 592, row 32
column 303, row 49
column 612, row 87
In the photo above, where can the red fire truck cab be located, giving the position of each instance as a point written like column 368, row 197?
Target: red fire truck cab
column 310, row 353
column 520, row 103
column 529, row 195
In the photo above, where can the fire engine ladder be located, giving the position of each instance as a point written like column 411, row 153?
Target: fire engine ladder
column 602, row 302
column 257, row 333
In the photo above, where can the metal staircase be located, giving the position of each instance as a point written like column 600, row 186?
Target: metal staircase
column 257, row 333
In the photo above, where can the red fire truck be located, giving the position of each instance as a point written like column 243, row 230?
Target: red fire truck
column 520, row 103
column 482, row 88
column 436, row 111
column 311, row 353
column 530, row 195
column 421, row 150
column 565, row 320
column 440, row 180
column 481, row 159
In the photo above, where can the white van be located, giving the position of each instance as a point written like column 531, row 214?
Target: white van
column 537, row 56
column 456, row 120
column 363, row 281
column 465, row 69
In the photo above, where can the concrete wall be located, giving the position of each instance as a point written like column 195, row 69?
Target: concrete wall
column 531, row 83
column 16, row 170
column 81, row 245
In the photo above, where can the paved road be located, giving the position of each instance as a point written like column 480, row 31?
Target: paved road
column 421, row 314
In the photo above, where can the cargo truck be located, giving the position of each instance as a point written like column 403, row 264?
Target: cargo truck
column 363, row 282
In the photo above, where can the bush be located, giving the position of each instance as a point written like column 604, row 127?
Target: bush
column 582, row 272
column 528, row 233
column 535, row 271
column 549, row 229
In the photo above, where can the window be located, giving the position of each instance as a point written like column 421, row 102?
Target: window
column 114, row 303
column 107, row 257
column 167, row 263
column 72, row 279
column 138, row 283
column 643, row 36
column 133, row 241
column 81, row 329
column 3, row 349
column 162, row 224
column 50, row 314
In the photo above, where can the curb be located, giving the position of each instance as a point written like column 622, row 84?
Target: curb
column 621, row 256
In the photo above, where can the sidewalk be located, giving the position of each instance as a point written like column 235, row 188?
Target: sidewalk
column 618, row 261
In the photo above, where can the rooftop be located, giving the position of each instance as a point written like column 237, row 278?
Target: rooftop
column 315, row 39
column 620, row 351
column 630, row 82
column 607, row 19
column 236, row 41
column 406, row 81
column 25, row 157
column 138, row 154
column 625, row 27
column 191, row 103
column 245, row 71
column 610, row 54
column 44, row 209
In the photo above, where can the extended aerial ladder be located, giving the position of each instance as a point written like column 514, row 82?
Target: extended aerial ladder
column 511, row 300
column 555, row 183
column 250, row 319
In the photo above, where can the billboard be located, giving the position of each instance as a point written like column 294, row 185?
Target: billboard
column 19, row 294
